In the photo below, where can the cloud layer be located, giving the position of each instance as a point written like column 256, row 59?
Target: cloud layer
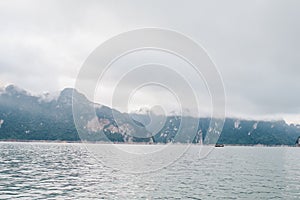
column 255, row 44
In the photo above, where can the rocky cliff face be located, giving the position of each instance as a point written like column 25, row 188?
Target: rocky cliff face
column 45, row 117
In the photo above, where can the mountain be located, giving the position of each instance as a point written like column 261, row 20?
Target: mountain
column 27, row 117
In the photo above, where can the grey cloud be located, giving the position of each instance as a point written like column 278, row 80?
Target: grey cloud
column 255, row 44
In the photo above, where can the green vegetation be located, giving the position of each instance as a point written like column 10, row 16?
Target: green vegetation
column 26, row 117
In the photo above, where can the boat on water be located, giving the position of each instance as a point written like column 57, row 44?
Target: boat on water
column 298, row 142
column 219, row 145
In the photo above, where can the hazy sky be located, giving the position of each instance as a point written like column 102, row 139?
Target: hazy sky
column 254, row 43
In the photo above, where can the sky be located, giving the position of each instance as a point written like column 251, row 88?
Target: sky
column 254, row 44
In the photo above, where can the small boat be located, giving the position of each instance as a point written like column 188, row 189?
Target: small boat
column 219, row 145
column 298, row 142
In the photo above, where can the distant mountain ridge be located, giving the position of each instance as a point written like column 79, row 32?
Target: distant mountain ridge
column 27, row 117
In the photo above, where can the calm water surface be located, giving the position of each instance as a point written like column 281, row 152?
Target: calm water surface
column 69, row 171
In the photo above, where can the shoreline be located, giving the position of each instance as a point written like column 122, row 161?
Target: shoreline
column 133, row 143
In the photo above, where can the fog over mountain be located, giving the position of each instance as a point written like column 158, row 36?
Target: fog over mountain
column 27, row 117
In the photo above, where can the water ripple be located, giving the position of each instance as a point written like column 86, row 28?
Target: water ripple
column 68, row 171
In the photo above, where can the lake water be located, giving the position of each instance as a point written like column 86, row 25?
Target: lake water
column 69, row 171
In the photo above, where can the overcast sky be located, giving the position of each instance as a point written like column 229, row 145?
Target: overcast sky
column 254, row 43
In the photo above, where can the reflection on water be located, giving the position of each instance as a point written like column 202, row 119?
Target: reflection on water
column 68, row 171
